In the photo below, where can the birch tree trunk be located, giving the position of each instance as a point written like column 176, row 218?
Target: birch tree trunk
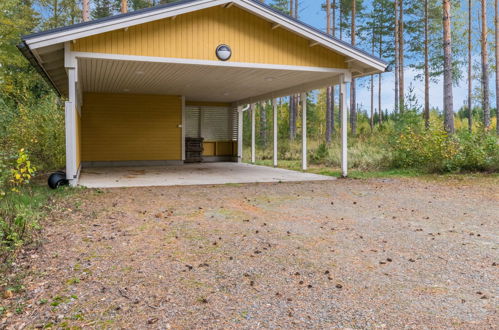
column 470, row 68
column 426, row 69
column 485, row 68
column 448, row 101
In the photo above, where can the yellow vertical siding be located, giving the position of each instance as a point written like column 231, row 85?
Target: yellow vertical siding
column 196, row 35
column 124, row 127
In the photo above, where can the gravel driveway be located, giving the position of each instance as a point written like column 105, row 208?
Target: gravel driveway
column 394, row 253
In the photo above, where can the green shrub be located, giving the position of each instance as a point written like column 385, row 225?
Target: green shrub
column 477, row 152
column 22, row 172
column 39, row 128
column 430, row 151
column 320, row 155
column 433, row 150
column 15, row 218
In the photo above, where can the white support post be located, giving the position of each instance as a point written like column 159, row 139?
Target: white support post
column 182, row 126
column 70, row 120
column 253, row 156
column 70, row 112
column 274, row 103
column 304, row 131
column 240, row 134
column 344, row 126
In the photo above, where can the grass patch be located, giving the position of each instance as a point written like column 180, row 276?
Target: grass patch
column 336, row 172
column 389, row 173
column 20, row 216
column 356, row 174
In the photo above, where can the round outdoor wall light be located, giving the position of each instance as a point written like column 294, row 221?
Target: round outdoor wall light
column 224, row 52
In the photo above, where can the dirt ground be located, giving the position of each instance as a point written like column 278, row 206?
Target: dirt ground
column 377, row 253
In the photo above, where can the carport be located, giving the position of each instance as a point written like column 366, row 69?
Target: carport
column 138, row 84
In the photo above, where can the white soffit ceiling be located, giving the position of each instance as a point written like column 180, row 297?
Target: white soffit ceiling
column 195, row 82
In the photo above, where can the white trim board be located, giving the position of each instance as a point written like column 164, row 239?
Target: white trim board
column 322, row 83
column 174, row 60
column 183, row 128
column 60, row 36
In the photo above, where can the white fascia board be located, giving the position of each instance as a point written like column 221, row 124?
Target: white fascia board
column 116, row 24
column 185, row 61
column 322, row 83
column 310, row 34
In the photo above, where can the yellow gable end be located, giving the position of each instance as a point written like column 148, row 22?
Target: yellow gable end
column 196, row 35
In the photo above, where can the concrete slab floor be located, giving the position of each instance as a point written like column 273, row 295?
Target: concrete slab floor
column 189, row 174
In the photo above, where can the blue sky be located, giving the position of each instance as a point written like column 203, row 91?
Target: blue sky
column 312, row 14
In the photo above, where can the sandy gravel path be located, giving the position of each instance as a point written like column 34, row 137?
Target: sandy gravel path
column 391, row 253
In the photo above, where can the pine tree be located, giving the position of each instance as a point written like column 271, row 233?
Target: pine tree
column 59, row 13
column 401, row 43
column 353, row 84
column 448, row 97
column 18, row 78
column 470, row 68
column 103, row 8
column 384, row 17
column 281, row 5
column 294, row 99
column 397, row 56
column 350, row 9
column 329, row 96
column 263, row 123
column 85, row 10
column 426, row 67
column 485, row 67
column 496, row 23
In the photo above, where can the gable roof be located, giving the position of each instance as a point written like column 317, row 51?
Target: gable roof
column 72, row 32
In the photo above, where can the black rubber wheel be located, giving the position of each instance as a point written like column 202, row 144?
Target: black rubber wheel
column 57, row 179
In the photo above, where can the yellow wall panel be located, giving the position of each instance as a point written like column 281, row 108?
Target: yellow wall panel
column 196, row 35
column 219, row 148
column 224, row 148
column 209, row 148
column 125, row 127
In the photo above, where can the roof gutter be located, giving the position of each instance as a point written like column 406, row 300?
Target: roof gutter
column 28, row 54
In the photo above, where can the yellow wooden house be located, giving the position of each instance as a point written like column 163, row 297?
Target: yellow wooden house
column 137, row 84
